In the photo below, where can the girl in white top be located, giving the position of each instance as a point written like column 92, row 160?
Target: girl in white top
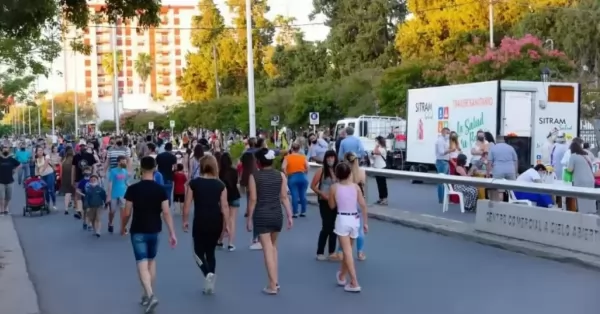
column 345, row 196
column 380, row 162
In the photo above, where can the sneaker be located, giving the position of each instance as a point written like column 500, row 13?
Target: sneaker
column 231, row 248
column 85, row 227
column 97, row 235
column 90, row 228
column 256, row 246
column 111, row 229
column 152, row 303
column 208, row 283
column 77, row 215
column 145, row 300
column 219, row 246
column 66, row 212
column 321, row 257
column 294, row 216
column 212, row 280
column 349, row 288
column 302, row 215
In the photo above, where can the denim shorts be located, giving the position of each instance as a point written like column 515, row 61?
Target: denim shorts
column 145, row 246
column 235, row 203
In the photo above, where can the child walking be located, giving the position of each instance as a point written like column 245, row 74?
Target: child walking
column 346, row 195
column 81, row 189
column 95, row 201
column 179, row 180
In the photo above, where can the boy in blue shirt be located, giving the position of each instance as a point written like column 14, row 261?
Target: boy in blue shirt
column 117, row 185
column 81, row 188
column 95, row 201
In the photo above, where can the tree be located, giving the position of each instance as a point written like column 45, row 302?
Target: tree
column 286, row 32
column 437, row 23
column 198, row 80
column 362, row 32
column 107, row 126
column 64, row 110
column 302, row 63
column 143, row 67
column 108, row 63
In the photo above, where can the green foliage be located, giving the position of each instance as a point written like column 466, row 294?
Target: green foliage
column 5, row 130
column 107, row 126
column 236, row 150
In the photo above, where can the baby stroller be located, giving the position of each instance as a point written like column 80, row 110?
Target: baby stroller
column 35, row 188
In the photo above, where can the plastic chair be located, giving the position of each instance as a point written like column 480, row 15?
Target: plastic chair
column 449, row 190
column 512, row 199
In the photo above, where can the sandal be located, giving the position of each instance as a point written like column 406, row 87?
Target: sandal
column 334, row 257
column 362, row 256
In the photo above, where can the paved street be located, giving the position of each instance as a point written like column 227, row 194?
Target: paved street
column 407, row 270
column 421, row 198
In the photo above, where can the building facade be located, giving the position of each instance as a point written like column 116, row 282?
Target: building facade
column 167, row 45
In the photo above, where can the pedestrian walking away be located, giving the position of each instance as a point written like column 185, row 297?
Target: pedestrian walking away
column 267, row 192
column 145, row 203
column 210, row 211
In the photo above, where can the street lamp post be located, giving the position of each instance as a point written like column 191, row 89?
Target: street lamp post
column 491, row 17
column 115, row 89
column 29, row 118
column 251, row 104
column 40, row 121
column 545, row 75
column 53, row 114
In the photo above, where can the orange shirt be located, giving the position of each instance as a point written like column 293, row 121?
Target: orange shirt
column 295, row 163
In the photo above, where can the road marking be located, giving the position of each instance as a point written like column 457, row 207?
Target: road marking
column 438, row 217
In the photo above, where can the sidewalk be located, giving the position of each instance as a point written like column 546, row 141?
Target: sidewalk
column 17, row 294
column 466, row 231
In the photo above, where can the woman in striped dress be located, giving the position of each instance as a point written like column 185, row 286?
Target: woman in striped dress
column 268, row 191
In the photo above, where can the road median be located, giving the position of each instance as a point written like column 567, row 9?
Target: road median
column 17, row 294
column 466, row 231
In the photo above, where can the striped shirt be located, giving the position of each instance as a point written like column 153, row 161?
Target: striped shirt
column 114, row 153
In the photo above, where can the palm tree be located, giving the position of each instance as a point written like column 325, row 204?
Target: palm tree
column 108, row 62
column 143, row 68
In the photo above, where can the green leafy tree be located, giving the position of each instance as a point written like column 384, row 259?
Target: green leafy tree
column 143, row 67
column 362, row 33
column 108, row 63
column 107, row 126
column 64, row 110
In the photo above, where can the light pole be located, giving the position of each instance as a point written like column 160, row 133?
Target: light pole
column 23, row 116
column 75, row 99
column 29, row 118
column 545, row 75
column 251, row 104
column 53, row 114
column 40, row 120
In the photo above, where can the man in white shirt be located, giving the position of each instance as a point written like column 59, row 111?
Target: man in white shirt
column 533, row 175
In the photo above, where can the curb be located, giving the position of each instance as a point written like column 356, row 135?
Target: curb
column 466, row 231
column 17, row 292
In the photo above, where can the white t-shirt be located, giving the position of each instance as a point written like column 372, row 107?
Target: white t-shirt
column 378, row 161
column 529, row 176
column 478, row 149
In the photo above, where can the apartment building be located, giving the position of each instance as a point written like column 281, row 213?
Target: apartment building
column 167, row 44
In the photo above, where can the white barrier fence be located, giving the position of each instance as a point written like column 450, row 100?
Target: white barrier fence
column 550, row 226
column 501, row 184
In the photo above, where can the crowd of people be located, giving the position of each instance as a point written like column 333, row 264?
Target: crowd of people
column 204, row 185
column 572, row 163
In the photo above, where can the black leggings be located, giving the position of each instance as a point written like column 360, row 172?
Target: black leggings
column 328, row 216
column 205, row 245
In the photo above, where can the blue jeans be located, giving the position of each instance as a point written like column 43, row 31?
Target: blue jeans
column 168, row 186
column 50, row 194
column 145, row 246
column 23, row 173
column 443, row 166
column 298, row 183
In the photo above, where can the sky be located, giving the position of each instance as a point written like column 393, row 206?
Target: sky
column 299, row 9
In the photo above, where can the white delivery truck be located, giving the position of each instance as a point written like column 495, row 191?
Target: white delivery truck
column 524, row 112
column 367, row 128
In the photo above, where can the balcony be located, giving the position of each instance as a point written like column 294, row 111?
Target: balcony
column 165, row 81
column 165, row 51
column 103, row 39
column 141, row 42
column 164, row 60
column 103, row 82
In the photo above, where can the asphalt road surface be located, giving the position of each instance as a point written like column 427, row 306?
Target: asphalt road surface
column 407, row 271
column 421, row 198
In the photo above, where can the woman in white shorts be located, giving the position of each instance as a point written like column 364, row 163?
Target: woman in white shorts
column 346, row 195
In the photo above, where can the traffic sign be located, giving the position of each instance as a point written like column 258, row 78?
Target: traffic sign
column 151, row 125
column 172, row 123
column 274, row 120
column 313, row 118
